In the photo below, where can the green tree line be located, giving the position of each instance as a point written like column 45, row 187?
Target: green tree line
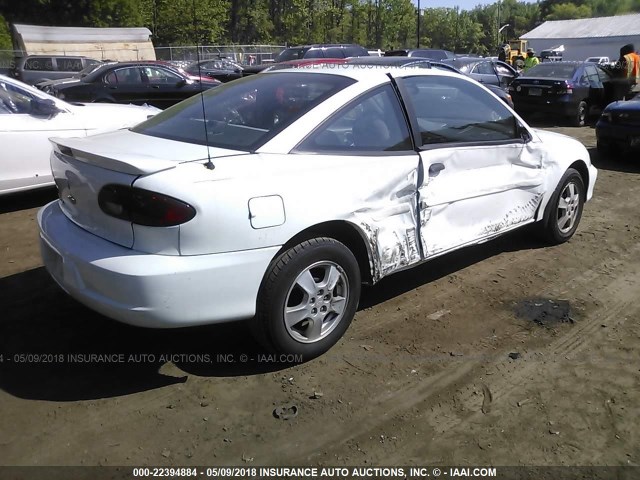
column 385, row 24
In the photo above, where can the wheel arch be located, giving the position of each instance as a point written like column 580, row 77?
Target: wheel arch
column 346, row 233
column 581, row 167
column 583, row 170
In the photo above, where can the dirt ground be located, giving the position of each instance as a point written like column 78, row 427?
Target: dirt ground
column 509, row 353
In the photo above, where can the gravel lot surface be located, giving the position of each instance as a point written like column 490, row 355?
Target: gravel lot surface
column 508, row 353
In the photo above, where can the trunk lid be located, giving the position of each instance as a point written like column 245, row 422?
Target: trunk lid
column 539, row 87
column 81, row 167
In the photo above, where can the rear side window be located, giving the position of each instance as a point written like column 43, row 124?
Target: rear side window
column 355, row 52
column 592, row 74
column 293, row 53
column 246, row 113
column 334, row 52
column 373, row 123
column 483, row 68
column 42, row 64
column 314, row 53
column 128, row 76
column 68, row 64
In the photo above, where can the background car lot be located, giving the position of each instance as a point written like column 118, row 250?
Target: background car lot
column 28, row 118
column 570, row 89
column 148, row 82
column 404, row 387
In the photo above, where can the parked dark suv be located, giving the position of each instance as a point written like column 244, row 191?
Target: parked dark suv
column 34, row 69
column 431, row 53
column 327, row 50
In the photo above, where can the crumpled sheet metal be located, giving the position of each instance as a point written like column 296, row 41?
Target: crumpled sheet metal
column 389, row 225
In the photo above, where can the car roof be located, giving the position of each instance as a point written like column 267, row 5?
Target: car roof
column 389, row 61
column 326, row 45
column 364, row 72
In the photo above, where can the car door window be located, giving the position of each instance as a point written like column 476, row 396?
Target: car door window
column 334, row 52
column 159, row 76
column 314, row 53
column 604, row 75
column 483, row 68
column 43, row 64
column 124, row 76
column 592, row 75
column 373, row 123
column 453, row 110
column 213, row 65
column 503, row 71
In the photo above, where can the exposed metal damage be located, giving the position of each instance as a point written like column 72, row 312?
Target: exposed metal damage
column 515, row 216
column 391, row 231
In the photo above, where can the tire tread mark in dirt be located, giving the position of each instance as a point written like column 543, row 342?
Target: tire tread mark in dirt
column 401, row 398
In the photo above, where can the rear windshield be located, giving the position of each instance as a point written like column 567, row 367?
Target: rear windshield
column 246, row 113
column 552, row 70
column 294, row 53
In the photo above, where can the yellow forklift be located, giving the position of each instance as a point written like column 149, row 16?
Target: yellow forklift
column 513, row 52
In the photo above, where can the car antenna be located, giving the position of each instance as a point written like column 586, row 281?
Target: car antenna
column 209, row 163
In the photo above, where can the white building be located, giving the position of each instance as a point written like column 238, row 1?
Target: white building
column 98, row 43
column 587, row 37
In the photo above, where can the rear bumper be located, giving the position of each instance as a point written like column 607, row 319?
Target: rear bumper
column 624, row 136
column 561, row 106
column 159, row 291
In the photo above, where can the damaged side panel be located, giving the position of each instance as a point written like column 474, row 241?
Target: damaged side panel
column 476, row 193
column 375, row 194
column 388, row 221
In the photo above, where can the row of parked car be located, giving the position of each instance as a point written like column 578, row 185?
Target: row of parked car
column 412, row 157
column 571, row 89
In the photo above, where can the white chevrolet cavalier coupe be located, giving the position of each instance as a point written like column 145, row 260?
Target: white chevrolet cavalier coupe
column 274, row 197
column 28, row 117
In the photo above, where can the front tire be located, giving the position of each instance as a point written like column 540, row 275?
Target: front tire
column 308, row 298
column 564, row 210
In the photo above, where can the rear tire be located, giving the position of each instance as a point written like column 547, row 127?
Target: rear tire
column 308, row 298
column 564, row 211
column 579, row 119
column 604, row 148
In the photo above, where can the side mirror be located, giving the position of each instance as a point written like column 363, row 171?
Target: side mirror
column 44, row 107
column 181, row 83
column 523, row 133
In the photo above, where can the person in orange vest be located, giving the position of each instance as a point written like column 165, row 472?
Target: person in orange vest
column 630, row 64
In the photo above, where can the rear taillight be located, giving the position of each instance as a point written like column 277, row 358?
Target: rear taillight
column 144, row 207
column 565, row 88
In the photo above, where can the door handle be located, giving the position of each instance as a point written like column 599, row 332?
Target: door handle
column 435, row 169
column 155, row 86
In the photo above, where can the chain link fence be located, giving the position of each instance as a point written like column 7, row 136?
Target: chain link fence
column 241, row 54
column 181, row 56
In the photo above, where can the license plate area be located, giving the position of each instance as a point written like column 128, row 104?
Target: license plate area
column 535, row 92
